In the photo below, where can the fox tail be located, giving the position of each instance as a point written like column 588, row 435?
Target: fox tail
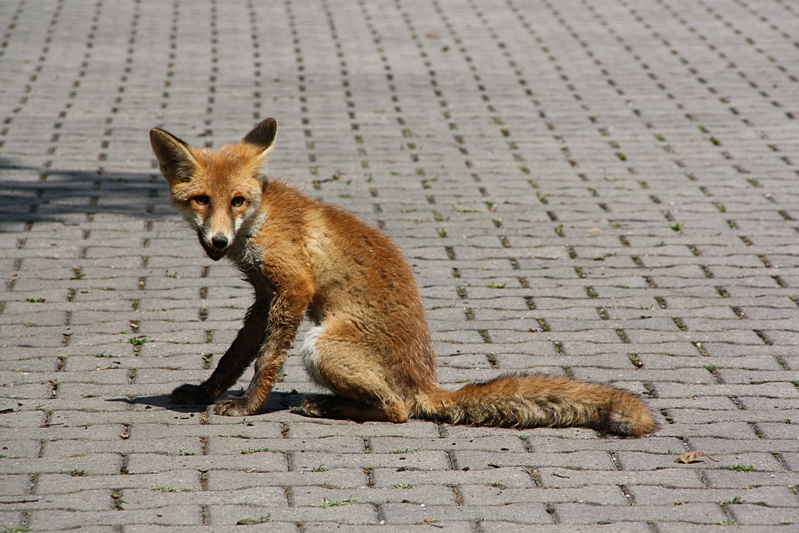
column 524, row 401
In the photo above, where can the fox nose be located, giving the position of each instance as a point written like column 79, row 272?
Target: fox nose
column 219, row 241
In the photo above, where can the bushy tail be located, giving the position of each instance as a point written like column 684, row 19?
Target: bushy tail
column 523, row 401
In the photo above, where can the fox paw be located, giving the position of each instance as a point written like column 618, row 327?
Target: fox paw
column 233, row 407
column 189, row 395
column 316, row 406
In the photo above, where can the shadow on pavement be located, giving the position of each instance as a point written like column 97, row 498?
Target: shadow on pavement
column 277, row 401
column 32, row 194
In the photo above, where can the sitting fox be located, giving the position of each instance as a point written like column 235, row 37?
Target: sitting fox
column 371, row 345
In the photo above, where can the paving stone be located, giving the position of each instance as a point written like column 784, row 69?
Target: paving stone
column 272, row 526
column 722, row 478
column 346, row 513
column 740, row 445
column 554, row 477
column 426, row 460
column 498, row 494
column 513, row 477
column 12, row 485
column 452, row 527
column 86, row 500
column 406, row 513
column 702, row 528
column 649, row 461
column 239, row 444
column 98, row 464
column 503, row 443
column 167, row 496
column 319, row 475
column 424, row 494
column 689, row 512
column 580, row 460
column 167, row 516
column 757, row 514
column 768, row 496
column 141, row 463
column 625, row 527
column 319, row 429
column 72, row 448
column 65, row 483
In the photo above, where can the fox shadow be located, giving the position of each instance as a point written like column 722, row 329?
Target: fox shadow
column 276, row 401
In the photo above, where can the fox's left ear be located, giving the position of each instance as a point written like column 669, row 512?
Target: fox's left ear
column 263, row 136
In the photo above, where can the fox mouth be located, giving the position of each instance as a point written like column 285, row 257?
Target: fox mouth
column 213, row 253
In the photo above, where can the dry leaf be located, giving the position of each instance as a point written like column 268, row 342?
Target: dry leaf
column 692, row 457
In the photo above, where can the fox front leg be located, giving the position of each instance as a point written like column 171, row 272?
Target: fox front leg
column 259, row 389
column 285, row 317
column 238, row 357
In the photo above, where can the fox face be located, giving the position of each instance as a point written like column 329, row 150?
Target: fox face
column 217, row 191
column 217, row 213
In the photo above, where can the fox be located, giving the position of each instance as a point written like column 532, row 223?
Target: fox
column 370, row 344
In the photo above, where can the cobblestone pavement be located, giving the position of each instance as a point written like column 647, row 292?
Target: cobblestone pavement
column 603, row 188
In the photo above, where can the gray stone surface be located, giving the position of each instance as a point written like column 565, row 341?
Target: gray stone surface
column 600, row 188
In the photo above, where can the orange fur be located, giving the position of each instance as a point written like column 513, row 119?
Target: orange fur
column 371, row 345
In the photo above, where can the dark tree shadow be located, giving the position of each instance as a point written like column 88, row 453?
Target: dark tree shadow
column 32, row 194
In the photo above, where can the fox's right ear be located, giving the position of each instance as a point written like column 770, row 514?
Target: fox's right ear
column 263, row 136
column 174, row 157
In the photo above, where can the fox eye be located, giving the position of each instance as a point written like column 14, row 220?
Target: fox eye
column 238, row 201
column 201, row 199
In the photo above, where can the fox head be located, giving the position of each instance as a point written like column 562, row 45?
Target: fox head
column 216, row 191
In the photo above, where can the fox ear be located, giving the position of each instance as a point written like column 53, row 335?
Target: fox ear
column 263, row 135
column 173, row 155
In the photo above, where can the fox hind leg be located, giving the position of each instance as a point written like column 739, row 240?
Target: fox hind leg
column 343, row 408
column 336, row 360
